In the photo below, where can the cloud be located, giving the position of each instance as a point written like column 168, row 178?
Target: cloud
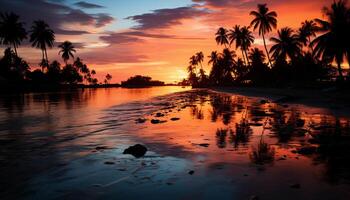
column 163, row 18
column 83, row 4
column 56, row 14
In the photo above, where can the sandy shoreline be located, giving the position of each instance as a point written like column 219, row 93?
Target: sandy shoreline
column 335, row 100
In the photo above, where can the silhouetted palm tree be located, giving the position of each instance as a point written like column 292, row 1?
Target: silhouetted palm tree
column 67, row 50
column 247, row 40
column 200, row 58
column 221, row 37
column 306, row 31
column 235, row 36
column 42, row 37
column 214, row 57
column 264, row 21
column 12, row 31
column 286, row 44
column 334, row 43
column 257, row 56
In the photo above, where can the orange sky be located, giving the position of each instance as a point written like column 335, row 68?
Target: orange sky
column 162, row 45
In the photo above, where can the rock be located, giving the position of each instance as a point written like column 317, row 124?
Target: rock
column 140, row 120
column 157, row 121
column 137, row 150
column 109, row 163
column 263, row 101
column 159, row 115
column 204, row 145
column 295, row 186
column 191, row 172
column 175, row 119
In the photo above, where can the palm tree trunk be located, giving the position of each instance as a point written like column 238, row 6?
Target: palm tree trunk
column 267, row 52
column 42, row 53
column 246, row 55
column 47, row 60
column 245, row 62
column 15, row 48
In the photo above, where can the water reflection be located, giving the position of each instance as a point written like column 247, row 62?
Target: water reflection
column 64, row 140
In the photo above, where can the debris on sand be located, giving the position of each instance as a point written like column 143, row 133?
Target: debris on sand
column 137, row 150
column 157, row 121
column 175, row 119
column 204, row 145
column 140, row 120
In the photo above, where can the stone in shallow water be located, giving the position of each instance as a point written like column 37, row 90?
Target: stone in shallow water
column 175, row 119
column 140, row 120
column 191, row 172
column 137, row 150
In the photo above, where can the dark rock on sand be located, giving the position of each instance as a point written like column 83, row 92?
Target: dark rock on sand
column 175, row 119
column 159, row 115
column 140, row 120
column 191, row 172
column 157, row 121
column 204, row 145
column 137, row 150
column 263, row 101
column 295, row 186
column 109, row 163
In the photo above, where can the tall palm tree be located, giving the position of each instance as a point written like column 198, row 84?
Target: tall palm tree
column 67, row 50
column 265, row 21
column 12, row 31
column 286, row 45
column 235, row 36
column 42, row 37
column 334, row 43
column 306, row 31
column 247, row 40
column 221, row 37
column 200, row 58
column 214, row 58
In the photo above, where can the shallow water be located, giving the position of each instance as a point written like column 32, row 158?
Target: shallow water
column 69, row 146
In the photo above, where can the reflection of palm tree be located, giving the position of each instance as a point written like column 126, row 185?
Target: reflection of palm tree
column 12, row 31
column 264, row 21
column 286, row 44
column 67, row 50
column 221, row 37
column 334, row 44
column 41, row 37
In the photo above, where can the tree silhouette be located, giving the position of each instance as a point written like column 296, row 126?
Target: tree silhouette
column 247, row 40
column 235, row 36
column 264, row 21
column 221, row 37
column 42, row 37
column 306, row 31
column 286, row 45
column 334, row 43
column 67, row 50
column 12, row 31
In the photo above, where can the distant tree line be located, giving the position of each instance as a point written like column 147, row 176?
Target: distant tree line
column 141, row 81
column 302, row 56
column 14, row 69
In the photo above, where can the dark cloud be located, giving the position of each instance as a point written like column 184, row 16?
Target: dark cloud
column 83, row 4
column 163, row 18
column 54, row 13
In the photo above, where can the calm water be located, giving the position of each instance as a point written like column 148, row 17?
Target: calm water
column 69, row 146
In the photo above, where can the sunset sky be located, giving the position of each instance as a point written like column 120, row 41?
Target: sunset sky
column 147, row 37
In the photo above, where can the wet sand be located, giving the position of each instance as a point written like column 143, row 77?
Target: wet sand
column 201, row 144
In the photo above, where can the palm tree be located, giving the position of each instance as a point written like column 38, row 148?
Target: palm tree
column 334, row 43
column 235, row 35
column 221, row 37
column 12, row 31
column 247, row 40
column 214, row 57
column 67, row 50
column 257, row 56
column 306, row 31
column 286, row 45
column 264, row 21
column 200, row 58
column 42, row 37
